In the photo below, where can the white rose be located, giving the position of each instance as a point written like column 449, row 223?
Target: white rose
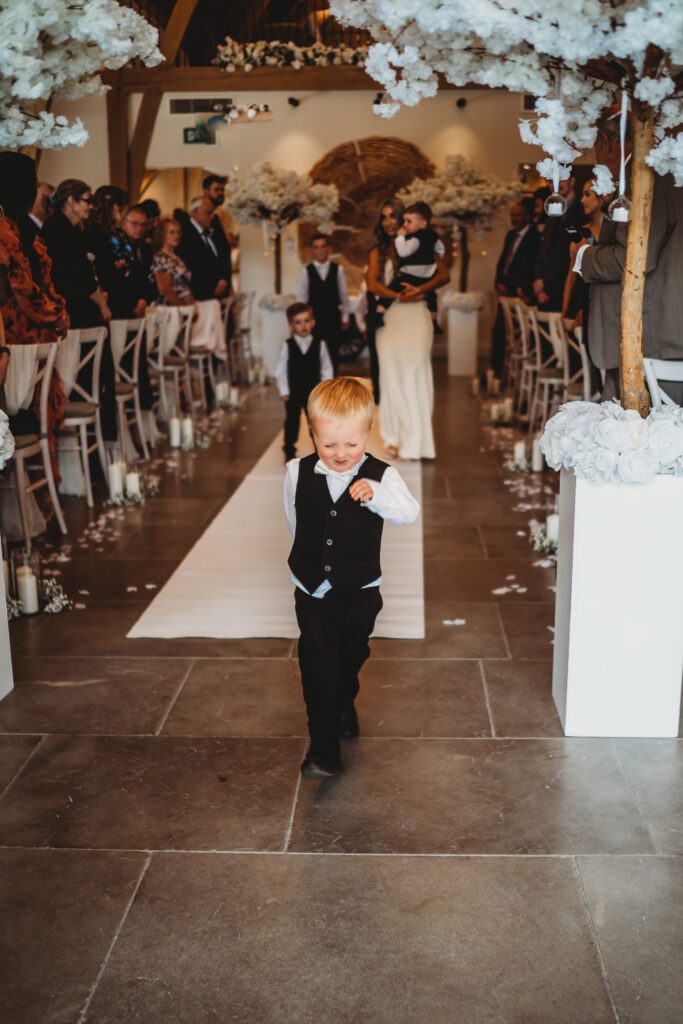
column 637, row 466
column 666, row 438
column 627, row 433
column 597, row 464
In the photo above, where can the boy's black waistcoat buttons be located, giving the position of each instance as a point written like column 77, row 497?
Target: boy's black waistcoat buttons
column 356, row 533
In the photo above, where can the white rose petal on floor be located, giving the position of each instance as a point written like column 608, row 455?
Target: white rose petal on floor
column 235, row 583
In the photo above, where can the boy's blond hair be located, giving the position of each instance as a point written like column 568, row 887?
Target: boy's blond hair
column 342, row 398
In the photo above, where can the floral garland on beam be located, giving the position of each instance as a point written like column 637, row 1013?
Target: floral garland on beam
column 233, row 55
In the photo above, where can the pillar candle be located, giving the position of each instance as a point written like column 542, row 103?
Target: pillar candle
column 519, row 453
column 27, row 590
column 234, row 396
column 115, row 480
column 495, row 386
column 508, row 409
column 221, row 389
column 537, row 460
column 552, row 527
column 250, row 374
column 490, row 377
column 174, row 432
column 495, row 412
column 474, row 387
column 188, row 431
column 555, row 209
column 620, row 214
column 133, row 484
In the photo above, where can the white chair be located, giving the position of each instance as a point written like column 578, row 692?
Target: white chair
column 227, row 309
column 524, row 385
column 30, row 445
column 82, row 415
column 580, row 383
column 126, row 352
column 176, row 343
column 662, row 369
column 155, row 325
column 548, row 371
column 513, row 354
column 241, row 357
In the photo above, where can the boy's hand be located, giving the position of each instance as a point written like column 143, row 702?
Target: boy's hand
column 403, row 230
column 361, row 490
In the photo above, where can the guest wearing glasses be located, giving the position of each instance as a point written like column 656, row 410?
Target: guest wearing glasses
column 73, row 271
column 125, row 274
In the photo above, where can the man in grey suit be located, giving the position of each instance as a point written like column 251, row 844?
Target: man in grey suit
column 602, row 266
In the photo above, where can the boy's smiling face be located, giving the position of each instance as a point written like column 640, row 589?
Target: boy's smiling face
column 340, row 443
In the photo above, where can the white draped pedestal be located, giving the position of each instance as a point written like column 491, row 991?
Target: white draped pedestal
column 619, row 608
column 274, row 331
column 462, row 343
column 6, row 677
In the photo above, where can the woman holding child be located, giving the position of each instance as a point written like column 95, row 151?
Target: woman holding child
column 404, row 344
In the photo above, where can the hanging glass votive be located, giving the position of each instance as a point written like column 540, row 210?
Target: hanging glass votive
column 555, row 205
column 620, row 210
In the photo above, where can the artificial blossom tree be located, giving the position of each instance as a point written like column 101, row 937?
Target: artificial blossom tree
column 464, row 199
column 56, row 50
column 575, row 57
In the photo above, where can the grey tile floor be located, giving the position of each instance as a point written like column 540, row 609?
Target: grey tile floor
column 162, row 861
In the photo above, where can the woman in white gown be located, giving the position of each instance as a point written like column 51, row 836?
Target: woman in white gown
column 404, row 347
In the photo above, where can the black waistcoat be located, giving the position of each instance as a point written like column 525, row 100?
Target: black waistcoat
column 303, row 369
column 336, row 541
column 424, row 256
column 324, row 297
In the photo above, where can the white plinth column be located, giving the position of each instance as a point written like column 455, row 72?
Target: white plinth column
column 6, row 677
column 462, row 343
column 274, row 331
column 619, row 609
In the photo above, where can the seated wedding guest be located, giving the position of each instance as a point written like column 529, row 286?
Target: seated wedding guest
column 514, row 272
column 109, row 203
column 152, row 212
column 41, row 208
column 168, row 274
column 199, row 253
column 602, row 267
column 125, row 276
column 323, row 286
column 552, row 262
column 304, row 361
column 72, row 270
column 32, row 311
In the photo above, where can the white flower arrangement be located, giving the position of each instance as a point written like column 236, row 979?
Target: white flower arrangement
column 233, row 55
column 275, row 303
column 464, row 302
column 6, row 440
column 54, row 597
column 58, row 50
column 266, row 193
column 604, row 443
column 461, row 196
column 572, row 55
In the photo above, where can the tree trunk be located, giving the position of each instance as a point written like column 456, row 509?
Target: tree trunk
column 463, row 242
column 277, row 246
column 634, row 394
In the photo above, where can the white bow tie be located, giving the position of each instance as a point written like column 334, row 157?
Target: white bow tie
column 344, row 478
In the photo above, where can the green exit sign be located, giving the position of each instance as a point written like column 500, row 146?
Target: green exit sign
column 200, row 135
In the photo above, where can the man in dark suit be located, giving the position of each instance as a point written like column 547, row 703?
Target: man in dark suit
column 514, row 272
column 552, row 264
column 199, row 252
column 214, row 190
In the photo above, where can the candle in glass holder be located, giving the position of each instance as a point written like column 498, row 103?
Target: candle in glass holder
column 495, row 386
column 221, row 390
column 133, row 484
column 552, row 527
column 474, row 387
column 508, row 409
column 537, row 460
column 187, row 431
column 234, row 398
column 554, row 209
column 174, row 432
column 495, row 412
column 116, row 471
column 519, row 453
column 27, row 589
column 250, row 374
column 490, row 377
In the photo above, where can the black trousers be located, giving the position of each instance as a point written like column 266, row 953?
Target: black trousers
column 333, row 647
column 293, row 408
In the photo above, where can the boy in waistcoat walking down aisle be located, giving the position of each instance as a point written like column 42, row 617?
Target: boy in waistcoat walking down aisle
column 336, row 501
column 304, row 361
column 323, row 287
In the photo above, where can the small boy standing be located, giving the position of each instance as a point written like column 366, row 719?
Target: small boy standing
column 304, row 361
column 323, row 287
column 417, row 245
column 336, row 501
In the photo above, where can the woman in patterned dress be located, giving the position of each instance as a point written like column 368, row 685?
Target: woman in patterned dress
column 168, row 273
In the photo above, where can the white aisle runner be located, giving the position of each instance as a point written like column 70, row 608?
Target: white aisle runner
column 235, row 581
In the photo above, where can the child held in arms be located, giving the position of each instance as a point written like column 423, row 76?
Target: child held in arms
column 323, row 287
column 417, row 245
column 336, row 501
column 304, row 361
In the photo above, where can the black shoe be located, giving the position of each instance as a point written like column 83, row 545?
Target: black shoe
column 348, row 725
column 438, row 329
column 379, row 321
column 311, row 769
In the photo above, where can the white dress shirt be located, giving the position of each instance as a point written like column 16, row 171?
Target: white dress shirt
column 391, row 500
column 323, row 270
column 37, row 221
column 405, row 247
column 281, row 376
column 206, row 238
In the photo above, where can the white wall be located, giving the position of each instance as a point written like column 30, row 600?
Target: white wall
column 486, row 131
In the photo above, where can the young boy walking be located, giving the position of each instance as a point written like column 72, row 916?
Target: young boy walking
column 304, row 361
column 336, row 501
column 417, row 245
